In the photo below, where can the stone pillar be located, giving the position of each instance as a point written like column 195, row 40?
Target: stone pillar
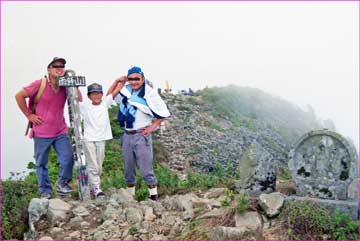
column 257, row 170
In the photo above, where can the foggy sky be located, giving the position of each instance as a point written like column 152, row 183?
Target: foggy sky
column 303, row 52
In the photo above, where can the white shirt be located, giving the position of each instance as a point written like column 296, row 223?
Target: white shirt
column 141, row 119
column 96, row 120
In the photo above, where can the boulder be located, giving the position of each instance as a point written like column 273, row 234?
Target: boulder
column 271, row 203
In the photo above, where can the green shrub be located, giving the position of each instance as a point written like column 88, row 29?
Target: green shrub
column 168, row 180
column 192, row 101
column 343, row 227
column 242, row 203
column 183, row 108
column 213, row 125
column 142, row 191
column 227, row 199
column 285, row 175
column 306, row 220
column 195, row 181
column 133, row 230
column 16, row 195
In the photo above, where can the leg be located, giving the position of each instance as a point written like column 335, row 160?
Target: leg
column 144, row 156
column 100, row 155
column 64, row 153
column 129, row 159
column 91, row 163
column 42, row 148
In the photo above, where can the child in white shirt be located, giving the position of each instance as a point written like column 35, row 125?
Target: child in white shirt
column 97, row 130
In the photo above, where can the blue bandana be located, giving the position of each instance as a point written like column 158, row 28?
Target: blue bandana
column 126, row 114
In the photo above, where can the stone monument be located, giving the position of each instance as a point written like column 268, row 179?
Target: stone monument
column 323, row 165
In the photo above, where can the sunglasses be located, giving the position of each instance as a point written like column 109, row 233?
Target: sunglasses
column 58, row 66
column 134, row 79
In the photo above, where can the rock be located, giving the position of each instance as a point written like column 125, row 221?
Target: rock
column 101, row 235
column 84, row 224
column 149, row 214
column 257, row 169
column 81, row 211
column 114, row 203
column 122, row 196
column 168, row 218
column 266, row 222
column 75, row 235
column 129, row 237
column 177, row 227
column 37, row 208
column 215, row 192
column 58, row 210
column 159, row 237
column 185, row 203
column 56, row 230
column 216, row 213
column 57, row 233
column 133, row 215
column 75, row 222
column 111, row 212
column 157, row 206
column 233, row 233
column 271, row 203
column 206, row 203
column 353, row 189
column 249, row 220
column 45, row 238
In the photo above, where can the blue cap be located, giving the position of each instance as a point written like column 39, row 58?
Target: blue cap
column 95, row 87
column 135, row 69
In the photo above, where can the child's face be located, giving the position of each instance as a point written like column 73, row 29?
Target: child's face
column 95, row 97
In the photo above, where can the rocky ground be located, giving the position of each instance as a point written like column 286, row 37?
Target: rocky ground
column 190, row 216
column 195, row 138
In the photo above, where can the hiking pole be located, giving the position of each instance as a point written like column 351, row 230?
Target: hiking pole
column 72, row 82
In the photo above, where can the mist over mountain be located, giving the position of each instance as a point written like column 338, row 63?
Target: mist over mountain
column 218, row 126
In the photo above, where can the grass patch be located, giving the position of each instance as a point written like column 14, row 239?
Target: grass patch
column 242, row 202
column 306, row 220
column 192, row 101
column 183, row 108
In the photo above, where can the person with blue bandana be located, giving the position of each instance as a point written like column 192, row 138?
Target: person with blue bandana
column 141, row 111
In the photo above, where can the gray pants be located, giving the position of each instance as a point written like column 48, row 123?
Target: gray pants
column 137, row 151
column 94, row 155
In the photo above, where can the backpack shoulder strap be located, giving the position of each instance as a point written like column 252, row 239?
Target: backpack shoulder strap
column 41, row 89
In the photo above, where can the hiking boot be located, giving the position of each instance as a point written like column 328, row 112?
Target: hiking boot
column 97, row 192
column 64, row 188
column 45, row 195
column 153, row 192
column 154, row 197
